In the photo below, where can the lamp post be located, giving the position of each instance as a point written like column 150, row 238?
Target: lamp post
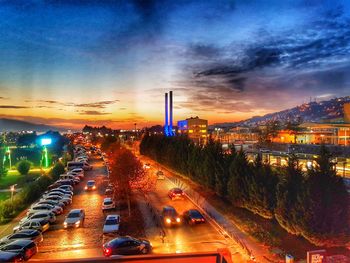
column 44, row 158
column 12, row 189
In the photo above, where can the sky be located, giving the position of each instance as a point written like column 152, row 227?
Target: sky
column 70, row 63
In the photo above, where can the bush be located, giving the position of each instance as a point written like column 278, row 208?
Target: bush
column 23, row 167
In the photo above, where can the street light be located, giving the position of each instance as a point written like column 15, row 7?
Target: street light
column 44, row 143
column 12, row 189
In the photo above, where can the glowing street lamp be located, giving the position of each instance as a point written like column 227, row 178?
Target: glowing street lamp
column 12, row 189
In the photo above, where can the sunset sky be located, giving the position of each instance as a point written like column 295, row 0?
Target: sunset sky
column 68, row 63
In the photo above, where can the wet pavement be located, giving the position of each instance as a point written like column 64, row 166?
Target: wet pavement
column 86, row 241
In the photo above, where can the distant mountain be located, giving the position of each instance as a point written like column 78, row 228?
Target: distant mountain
column 330, row 110
column 17, row 125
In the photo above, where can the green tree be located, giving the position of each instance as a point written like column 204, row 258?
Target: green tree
column 23, row 167
column 57, row 170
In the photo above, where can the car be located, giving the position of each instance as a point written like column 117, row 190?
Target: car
column 76, row 180
column 57, row 210
column 75, row 218
column 6, row 256
column 176, row 193
column 62, row 191
column 90, row 185
column 78, row 170
column 170, row 216
column 66, row 187
column 50, row 202
column 126, row 246
column 193, row 216
column 37, row 224
column 49, row 216
column 66, row 182
column 76, row 174
column 109, row 192
column 108, row 204
column 27, row 248
column 147, row 166
column 65, row 199
column 160, row 175
column 111, row 224
column 29, row 234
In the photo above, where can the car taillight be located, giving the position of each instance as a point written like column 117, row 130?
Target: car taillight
column 107, row 251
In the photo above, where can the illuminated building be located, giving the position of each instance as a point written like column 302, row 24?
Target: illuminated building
column 195, row 128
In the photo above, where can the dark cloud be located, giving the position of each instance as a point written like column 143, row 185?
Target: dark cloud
column 93, row 112
column 100, row 104
column 13, row 107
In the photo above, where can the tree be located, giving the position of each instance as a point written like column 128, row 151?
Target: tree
column 57, row 170
column 3, row 170
column 23, row 167
column 128, row 175
column 27, row 139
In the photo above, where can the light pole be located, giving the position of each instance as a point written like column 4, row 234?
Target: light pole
column 12, row 189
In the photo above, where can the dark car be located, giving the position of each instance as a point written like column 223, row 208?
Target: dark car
column 126, row 246
column 11, row 256
column 25, row 247
column 170, row 216
column 176, row 193
column 193, row 216
column 29, row 234
column 90, row 185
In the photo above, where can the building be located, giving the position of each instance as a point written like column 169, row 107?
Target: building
column 195, row 128
column 347, row 112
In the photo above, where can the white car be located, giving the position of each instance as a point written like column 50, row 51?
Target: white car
column 44, row 208
column 49, row 216
column 112, row 224
column 108, row 204
column 75, row 218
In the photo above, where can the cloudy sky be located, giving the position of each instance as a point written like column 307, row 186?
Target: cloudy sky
column 109, row 62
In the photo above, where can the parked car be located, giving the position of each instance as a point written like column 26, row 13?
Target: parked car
column 36, row 224
column 49, row 216
column 147, row 166
column 57, row 210
column 66, row 187
column 29, row 234
column 108, row 204
column 75, row 218
column 160, row 175
column 170, row 216
column 6, row 256
column 25, row 247
column 90, row 185
column 126, row 246
column 176, row 193
column 111, row 224
column 50, row 202
column 193, row 216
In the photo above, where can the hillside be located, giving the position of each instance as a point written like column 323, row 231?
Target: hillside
column 17, row 125
column 330, row 110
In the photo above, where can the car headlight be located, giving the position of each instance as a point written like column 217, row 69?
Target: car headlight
column 178, row 219
column 77, row 223
column 65, row 224
column 168, row 220
column 85, row 188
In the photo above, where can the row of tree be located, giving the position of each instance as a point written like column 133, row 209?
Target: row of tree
column 312, row 204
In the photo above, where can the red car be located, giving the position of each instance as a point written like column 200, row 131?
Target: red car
column 176, row 193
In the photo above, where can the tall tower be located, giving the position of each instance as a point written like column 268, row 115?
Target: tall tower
column 170, row 129
column 168, row 125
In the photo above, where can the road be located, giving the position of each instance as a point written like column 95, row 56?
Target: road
column 85, row 242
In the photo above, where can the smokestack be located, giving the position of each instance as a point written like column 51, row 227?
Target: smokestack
column 170, row 113
column 166, row 115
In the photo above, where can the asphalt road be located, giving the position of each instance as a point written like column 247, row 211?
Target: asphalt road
column 84, row 242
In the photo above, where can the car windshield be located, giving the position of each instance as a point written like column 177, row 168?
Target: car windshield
column 73, row 215
column 113, row 221
column 90, row 183
column 195, row 214
column 108, row 202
